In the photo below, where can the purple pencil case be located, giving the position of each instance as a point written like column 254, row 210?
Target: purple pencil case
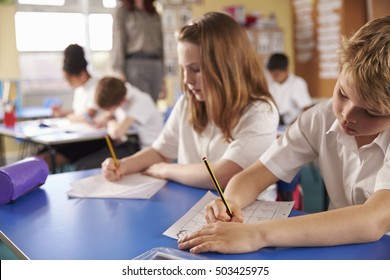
column 21, row 177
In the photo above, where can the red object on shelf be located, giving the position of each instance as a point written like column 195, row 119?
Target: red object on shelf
column 9, row 118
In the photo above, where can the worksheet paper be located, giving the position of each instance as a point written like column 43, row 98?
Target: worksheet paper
column 258, row 211
column 136, row 186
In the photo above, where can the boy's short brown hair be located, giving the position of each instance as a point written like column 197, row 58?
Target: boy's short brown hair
column 110, row 92
column 365, row 57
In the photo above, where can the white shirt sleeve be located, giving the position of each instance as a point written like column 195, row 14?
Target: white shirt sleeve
column 168, row 140
column 254, row 133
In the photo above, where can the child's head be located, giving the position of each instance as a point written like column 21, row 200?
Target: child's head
column 110, row 92
column 365, row 59
column 229, row 69
column 75, row 65
column 277, row 65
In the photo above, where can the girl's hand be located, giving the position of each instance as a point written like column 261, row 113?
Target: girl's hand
column 110, row 171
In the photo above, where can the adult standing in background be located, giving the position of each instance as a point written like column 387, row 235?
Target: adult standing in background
column 289, row 91
column 137, row 51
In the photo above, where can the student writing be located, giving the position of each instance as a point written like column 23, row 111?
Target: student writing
column 349, row 135
column 226, row 112
column 124, row 106
column 84, row 108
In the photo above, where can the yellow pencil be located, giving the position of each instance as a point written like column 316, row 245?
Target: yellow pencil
column 216, row 184
column 112, row 151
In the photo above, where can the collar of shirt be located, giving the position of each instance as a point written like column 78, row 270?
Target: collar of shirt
column 381, row 140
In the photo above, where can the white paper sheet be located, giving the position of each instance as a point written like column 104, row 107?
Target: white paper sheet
column 254, row 213
column 136, row 186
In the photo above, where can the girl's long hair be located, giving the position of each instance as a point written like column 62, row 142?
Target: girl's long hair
column 232, row 72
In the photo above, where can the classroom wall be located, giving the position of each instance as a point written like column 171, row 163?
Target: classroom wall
column 9, row 63
column 281, row 8
column 9, row 60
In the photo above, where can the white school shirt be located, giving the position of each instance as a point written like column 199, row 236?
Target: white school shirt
column 253, row 134
column 290, row 97
column 351, row 175
column 84, row 97
column 140, row 107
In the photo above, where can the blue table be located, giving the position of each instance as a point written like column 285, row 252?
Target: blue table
column 46, row 224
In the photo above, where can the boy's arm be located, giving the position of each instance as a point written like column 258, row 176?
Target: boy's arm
column 86, row 118
column 116, row 130
column 352, row 224
column 244, row 187
column 348, row 225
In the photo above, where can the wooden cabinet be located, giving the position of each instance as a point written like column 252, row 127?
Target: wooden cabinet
column 318, row 29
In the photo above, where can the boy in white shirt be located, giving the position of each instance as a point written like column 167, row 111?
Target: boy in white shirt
column 349, row 135
column 125, row 107
column 289, row 91
column 84, row 109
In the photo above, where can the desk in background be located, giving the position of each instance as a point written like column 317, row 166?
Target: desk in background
column 31, row 113
column 59, row 131
column 46, row 224
column 26, row 113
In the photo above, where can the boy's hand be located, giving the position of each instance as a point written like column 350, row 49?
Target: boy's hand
column 226, row 238
column 216, row 211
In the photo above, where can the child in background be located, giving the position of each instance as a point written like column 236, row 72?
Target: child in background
column 84, row 108
column 350, row 137
column 77, row 75
column 226, row 112
column 289, row 91
column 129, row 107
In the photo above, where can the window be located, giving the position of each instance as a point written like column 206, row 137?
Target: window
column 44, row 28
column 42, row 2
column 100, row 24
column 40, row 31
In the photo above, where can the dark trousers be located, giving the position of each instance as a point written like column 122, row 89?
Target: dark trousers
column 94, row 160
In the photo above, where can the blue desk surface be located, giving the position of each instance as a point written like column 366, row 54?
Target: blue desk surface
column 46, row 224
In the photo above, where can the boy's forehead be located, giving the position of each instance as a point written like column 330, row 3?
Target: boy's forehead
column 348, row 86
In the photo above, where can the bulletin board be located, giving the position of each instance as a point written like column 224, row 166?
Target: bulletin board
column 318, row 29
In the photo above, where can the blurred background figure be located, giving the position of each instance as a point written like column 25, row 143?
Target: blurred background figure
column 84, row 108
column 77, row 75
column 289, row 91
column 130, row 108
column 137, row 51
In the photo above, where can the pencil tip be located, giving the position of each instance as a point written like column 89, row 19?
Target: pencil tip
column 204, row 158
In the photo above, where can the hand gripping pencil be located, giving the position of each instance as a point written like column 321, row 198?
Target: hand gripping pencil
column 216, row 184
